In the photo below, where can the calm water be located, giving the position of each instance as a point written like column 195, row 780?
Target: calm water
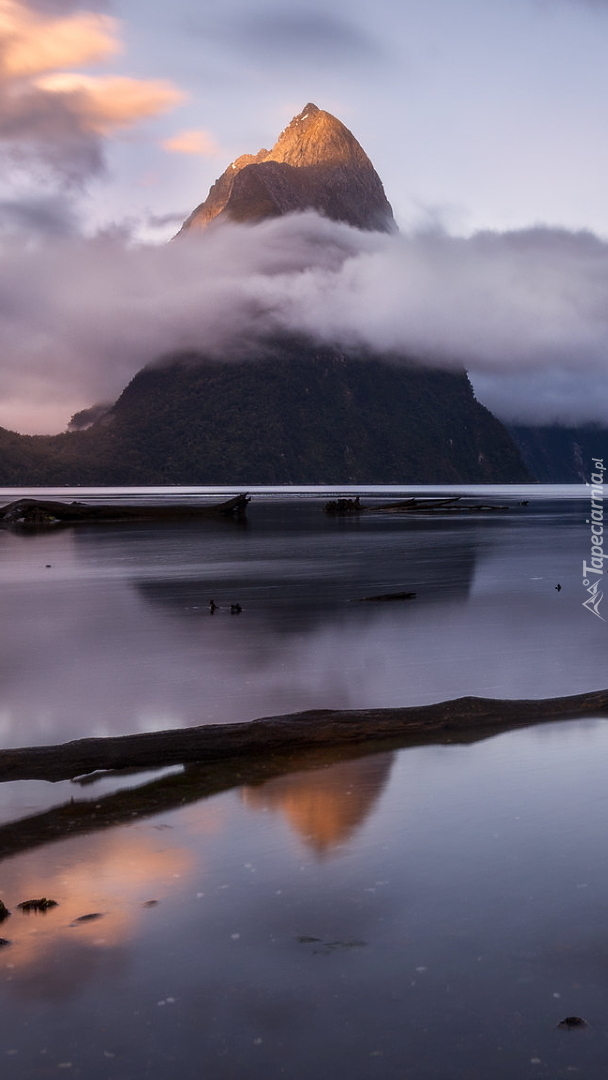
column 425, row 912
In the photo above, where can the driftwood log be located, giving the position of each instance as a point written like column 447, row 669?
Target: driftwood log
column 349, row 507
column 316, row 728
column 48, row 512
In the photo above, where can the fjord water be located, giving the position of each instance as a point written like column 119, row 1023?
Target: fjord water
column 431, row 911
column 106, row 629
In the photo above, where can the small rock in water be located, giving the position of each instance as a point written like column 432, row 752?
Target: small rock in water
column 37, row 905
column 150, row 903
column 4, row 912
column 3, row 942
column 570, row 1023
column 89, row 918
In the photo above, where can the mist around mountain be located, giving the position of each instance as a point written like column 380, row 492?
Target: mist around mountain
column 284, row 410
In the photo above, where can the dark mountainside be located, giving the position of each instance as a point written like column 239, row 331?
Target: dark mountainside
column 307, row 415
column 293, row 412
column 561, row 455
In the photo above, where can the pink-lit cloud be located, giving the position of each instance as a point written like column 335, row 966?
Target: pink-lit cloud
column 194, row 141
column 105, row 103
column 32, row 42
column 51, row 113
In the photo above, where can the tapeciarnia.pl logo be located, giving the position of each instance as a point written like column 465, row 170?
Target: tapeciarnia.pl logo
column 593, row 572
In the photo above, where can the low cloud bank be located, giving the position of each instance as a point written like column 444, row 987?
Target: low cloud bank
column 525, row 312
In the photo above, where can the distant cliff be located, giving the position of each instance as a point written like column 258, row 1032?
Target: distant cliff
column 561, row 455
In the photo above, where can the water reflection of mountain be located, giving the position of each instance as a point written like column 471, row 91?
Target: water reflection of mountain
column 311, row 571
column 106, row 630
column 347, row 767
column 325, row 807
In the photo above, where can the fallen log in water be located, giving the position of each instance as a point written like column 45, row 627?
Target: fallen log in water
column 327, row 727
column 413, row 505
column 39, row 512
column 405, row 505
column 433, row 506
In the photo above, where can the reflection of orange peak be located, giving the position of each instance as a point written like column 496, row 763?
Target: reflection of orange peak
column 113, row 874
column 325, row 806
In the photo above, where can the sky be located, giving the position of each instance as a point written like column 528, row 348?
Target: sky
column 486, row 123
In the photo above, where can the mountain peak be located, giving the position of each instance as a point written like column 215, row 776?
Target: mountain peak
column 315, row 164
column 315, row 137
column 307, row 111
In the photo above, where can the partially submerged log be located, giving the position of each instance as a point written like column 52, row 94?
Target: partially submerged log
column 323, row 727
column 37, row 512
column 432, row 506
column 413, row 505
column 405, row 505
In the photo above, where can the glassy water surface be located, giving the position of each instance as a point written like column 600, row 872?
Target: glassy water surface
column 425, row 911
column 106, row 629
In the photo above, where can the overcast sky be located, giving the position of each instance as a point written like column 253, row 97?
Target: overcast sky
column 117, row 115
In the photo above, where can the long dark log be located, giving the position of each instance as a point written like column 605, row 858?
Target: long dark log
column 278, row 733
column 433, row 506
column 48, row 512
column 410, row 504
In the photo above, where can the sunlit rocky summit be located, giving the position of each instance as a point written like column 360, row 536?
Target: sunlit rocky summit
column 293, row 411
column 315, row 164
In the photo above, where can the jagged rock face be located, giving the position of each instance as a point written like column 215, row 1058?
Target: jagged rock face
column 316, row 164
